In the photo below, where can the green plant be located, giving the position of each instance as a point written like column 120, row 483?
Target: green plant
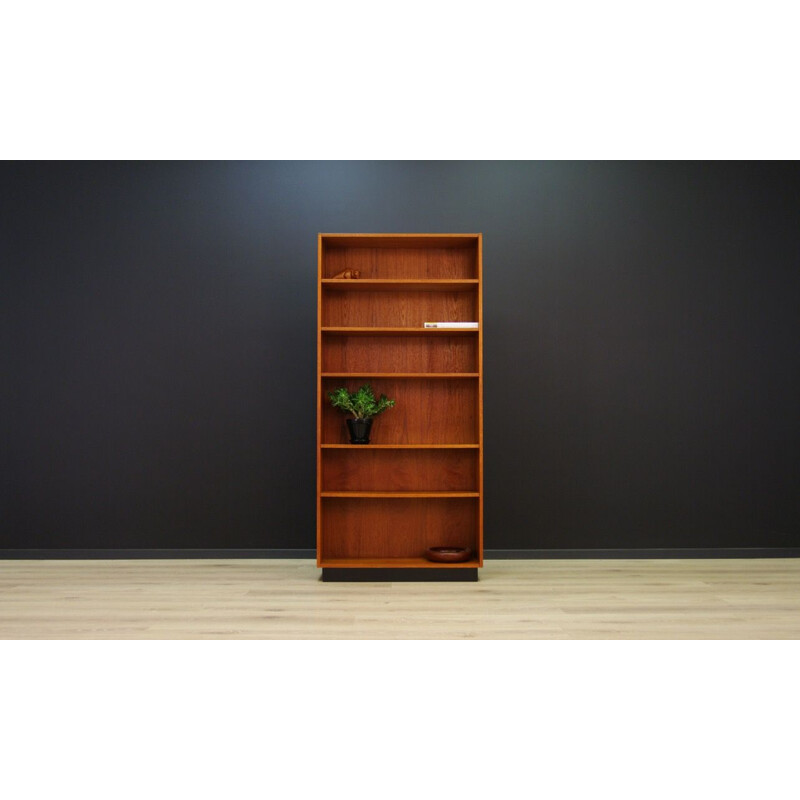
column 361, row 404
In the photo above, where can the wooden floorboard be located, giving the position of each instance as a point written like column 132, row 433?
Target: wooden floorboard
column 284, row 599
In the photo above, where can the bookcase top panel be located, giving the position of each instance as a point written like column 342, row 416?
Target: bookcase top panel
column 400, row 239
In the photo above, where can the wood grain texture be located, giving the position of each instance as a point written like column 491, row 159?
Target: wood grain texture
column 395, row 563
column 430, row 411
column 406, row 309
column 373, row 331
column 479, row 275
column 283, row 599
column 387, row 469
column 444, row 352
column 426, row 446
column 355, row 375
column 384, row 284
column 396, row 528
column 395, row 240
column 403, row 262
column 320, row 367
column 399, row 493
column 394, row 503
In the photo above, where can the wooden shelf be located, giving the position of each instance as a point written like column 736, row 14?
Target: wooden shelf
column 367, row 447
column 400, row 495
column 395, row 562
column 408, row 284
column 395, row 331
column 421, row 375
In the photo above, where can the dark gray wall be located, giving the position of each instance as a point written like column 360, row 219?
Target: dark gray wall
column 641, row 347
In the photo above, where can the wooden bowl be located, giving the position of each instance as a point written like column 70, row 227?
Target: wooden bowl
column 448, row 555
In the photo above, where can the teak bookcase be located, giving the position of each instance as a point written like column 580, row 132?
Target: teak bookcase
column 419, row 483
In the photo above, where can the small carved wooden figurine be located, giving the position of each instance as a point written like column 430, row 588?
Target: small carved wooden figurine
column 348, row 273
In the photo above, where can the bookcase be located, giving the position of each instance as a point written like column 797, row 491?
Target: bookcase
column 419, row 483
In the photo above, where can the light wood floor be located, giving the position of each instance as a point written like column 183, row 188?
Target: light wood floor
column 284, row 599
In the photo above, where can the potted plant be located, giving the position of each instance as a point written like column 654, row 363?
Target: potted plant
column 363, row 406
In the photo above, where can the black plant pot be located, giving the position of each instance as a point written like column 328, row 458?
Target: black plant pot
column 359, row 430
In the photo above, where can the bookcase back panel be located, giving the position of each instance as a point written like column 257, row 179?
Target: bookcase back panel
column 397, row 309
column 402, row 262
column 400, row 470
column 435, row 353
column 396, row 528
column 427, row 411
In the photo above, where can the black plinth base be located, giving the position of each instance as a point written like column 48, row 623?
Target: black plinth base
column 395, row 574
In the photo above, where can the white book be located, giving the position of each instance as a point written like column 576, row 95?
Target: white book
column 451, row 325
